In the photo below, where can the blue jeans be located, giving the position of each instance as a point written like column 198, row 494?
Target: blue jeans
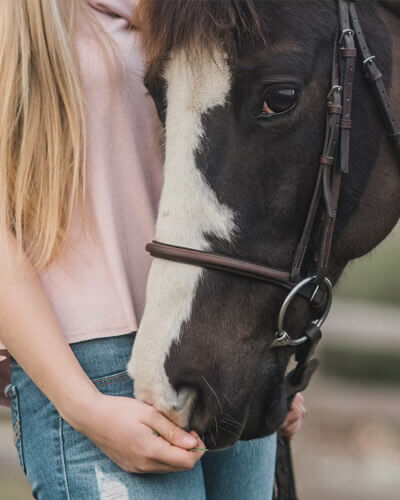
column 62, row 464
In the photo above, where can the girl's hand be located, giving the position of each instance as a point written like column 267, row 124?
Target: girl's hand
column 294, row 418
column 137, row 437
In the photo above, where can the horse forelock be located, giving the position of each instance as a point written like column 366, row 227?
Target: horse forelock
column 194, row 25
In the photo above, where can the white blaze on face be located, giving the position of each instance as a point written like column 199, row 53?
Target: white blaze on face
column 188, row 211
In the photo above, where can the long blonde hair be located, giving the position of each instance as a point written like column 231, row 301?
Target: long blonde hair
column 42, row 125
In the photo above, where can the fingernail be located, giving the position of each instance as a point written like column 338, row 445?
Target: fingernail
column 189, row 440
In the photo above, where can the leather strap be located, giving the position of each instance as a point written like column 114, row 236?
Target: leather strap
column 374, row 76
column 219, row 262
column 234, row 266
column 332, row 179
column 348, row 54
column 327, row 165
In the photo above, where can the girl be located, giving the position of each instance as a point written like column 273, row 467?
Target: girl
column 80, row 176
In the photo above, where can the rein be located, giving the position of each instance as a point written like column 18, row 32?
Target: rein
column 313, row 285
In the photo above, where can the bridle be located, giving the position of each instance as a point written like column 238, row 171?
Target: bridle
column 315, row 285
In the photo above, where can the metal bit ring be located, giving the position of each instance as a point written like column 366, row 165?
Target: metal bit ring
column 283, row 338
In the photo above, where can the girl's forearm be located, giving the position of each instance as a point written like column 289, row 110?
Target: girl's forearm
column 30, row 330
column 122, row 427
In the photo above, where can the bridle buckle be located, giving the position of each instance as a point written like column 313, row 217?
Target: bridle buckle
column 335, row 88
column 347, row 31
column 368, row 60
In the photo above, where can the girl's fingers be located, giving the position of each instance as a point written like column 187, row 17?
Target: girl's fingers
column 169, row 431
column 290, row 430
column 294, row 418
column 167, row 454
column 299, row 398
column 291, row 417
column 298, row 404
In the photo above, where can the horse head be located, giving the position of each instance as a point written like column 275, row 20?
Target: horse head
column 241, row 89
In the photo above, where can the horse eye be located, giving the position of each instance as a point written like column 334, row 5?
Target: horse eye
column 278, row 101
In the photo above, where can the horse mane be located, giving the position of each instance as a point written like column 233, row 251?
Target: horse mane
column 194, row 25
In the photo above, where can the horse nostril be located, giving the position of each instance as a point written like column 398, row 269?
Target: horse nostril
column 186, row 396
column 205, row 408
column 197, row 401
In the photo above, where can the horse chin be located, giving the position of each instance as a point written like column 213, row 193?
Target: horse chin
column 225, row 440
column 266, row 428
column 261, row 420
column 216, row 438
column 219, row 442
column 265, row 418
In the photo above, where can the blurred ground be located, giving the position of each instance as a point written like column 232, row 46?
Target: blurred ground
column 349, row 446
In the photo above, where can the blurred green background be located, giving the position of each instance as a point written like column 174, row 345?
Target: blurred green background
column 349, row 447
column 375, row 278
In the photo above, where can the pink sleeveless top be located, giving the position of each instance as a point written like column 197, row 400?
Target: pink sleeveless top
column 97, row 288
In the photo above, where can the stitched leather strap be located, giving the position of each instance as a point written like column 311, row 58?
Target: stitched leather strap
column 219, row 262
column 234, row 265
column 374, row 76
column 335, row 109
column 348, row 54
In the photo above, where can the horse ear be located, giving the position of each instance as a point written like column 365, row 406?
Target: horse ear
column 157, row 88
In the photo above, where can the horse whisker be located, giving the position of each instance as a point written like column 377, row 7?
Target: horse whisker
column 229, row 431
column 230, row 402
column 228, row 418
column 216, row 426
column 213, row 391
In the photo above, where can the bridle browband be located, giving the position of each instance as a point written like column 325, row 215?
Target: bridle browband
column 320, row 222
